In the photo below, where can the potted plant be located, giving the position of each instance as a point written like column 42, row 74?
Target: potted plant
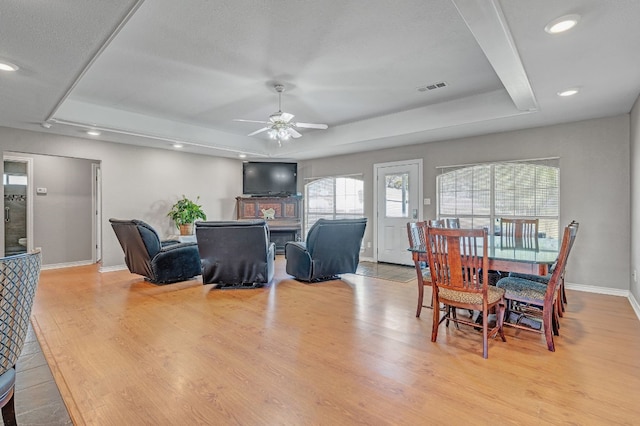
column 184, row 213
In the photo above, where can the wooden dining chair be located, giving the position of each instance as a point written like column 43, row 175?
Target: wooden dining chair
column 453, row 223
column 534, row 300
column 544, row 279
column 436, row 223
column 417, row 232
column 457, row 259
column 18, row 280
column 521, row 233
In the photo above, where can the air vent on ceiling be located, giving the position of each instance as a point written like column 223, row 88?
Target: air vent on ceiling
column 432, row 86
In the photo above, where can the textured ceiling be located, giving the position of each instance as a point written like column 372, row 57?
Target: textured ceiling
column 154, row 72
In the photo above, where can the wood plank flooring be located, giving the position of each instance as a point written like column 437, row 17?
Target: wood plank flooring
column 350, row 351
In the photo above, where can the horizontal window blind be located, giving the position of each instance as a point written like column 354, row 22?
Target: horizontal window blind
column 479, row 195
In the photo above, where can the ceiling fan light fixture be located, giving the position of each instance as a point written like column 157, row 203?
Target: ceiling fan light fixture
column 280, row 126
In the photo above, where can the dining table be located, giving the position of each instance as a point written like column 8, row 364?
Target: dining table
column 510, row 258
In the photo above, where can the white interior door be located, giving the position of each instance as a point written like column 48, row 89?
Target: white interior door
column 398, row 193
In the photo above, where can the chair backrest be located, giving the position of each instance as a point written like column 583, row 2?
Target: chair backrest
column 436, row 223
column 416, row 233
column 336, row 237
column 239, row 238
column 453, row 222
column 234, row 252
column 568, row 237
column 140, row 243
column 519, row 233
column 18, row 281
column 457, row 259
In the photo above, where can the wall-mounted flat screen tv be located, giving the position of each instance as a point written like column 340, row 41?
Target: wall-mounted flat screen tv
column 269, row 178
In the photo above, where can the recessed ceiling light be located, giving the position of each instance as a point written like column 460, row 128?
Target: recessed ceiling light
column 568, row 92
column 8, row 66
column 562, row 24
column 93, row 132
column 178, row 145
column 242, row 155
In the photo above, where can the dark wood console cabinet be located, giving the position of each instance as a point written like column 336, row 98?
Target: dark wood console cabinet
column 287, row 222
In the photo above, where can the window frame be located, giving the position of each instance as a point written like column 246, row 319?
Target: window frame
column 333, row 214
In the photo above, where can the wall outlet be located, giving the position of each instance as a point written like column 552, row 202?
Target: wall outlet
column 427, row 202
column 368, row 244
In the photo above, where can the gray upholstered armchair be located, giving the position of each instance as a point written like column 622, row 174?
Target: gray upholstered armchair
column 236, row 254
column 18, row 279
column 332, row 247
column 160, row 262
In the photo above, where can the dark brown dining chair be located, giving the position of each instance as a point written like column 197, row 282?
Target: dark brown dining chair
column 417, row 233
column 436, row 223
column 18, row 279
column 533, row 300
column 544, row 279
column 452, row 222
column 520, row 233
column 457, row 259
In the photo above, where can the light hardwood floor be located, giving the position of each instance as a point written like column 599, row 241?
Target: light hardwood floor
column 126, row 352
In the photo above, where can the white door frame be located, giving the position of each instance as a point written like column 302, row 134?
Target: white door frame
column 30, row 191
column 96, row 206
column 378, row 166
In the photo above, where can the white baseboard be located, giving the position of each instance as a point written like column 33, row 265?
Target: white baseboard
column 634, row 305
column 112, row 268
column 608, row 291
column 599, row 290
column 367, row 259
column 67, row 265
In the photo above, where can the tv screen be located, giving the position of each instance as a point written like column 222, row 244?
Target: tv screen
column 264, row 179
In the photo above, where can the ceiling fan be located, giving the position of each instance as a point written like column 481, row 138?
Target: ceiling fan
column 280, row 126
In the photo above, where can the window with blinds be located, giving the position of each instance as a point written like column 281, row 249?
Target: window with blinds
column 333, row 198
column 479, row 195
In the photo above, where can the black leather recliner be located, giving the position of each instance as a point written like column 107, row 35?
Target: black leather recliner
column 160, row 262
column 332, row 248
column 236, row 254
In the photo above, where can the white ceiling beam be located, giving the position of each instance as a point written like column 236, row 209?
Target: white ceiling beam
column 488, row 25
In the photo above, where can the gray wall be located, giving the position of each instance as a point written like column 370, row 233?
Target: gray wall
column 635, row 198
column 140, row 182
column 595, row 184
column 62, row 218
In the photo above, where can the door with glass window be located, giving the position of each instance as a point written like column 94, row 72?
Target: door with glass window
column 398, row 190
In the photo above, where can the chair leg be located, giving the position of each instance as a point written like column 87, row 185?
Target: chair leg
column 485, row 334
column 500, row 320
column 9, row 413
column 436, row 321
column 420, row 297
column 547, row 319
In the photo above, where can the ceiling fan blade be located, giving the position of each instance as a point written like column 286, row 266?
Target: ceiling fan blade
column 264, row 129
column 286, row 117
column 294, row 133
column 311, row 126
column 250, row 121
